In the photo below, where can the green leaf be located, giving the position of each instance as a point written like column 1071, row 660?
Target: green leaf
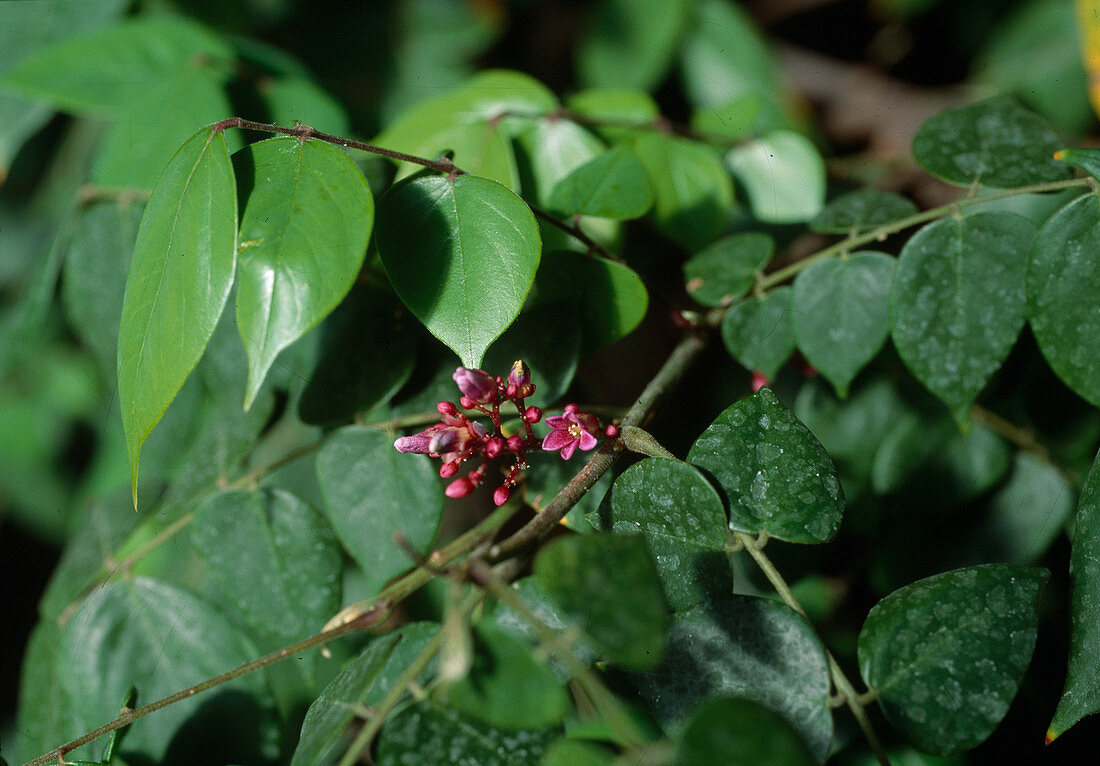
column 1081, row 696
column 739, row 732
column 609, row 585
column 506, row 687
column 947, row 653
column 731, row 120
column 757, row 332
column 179, row 281
column 364, row 681
column 41, row 721
column 429, row 733
column 373, row 492
column 783, row 175
column 307, row 217
column 630, row 44
column 154, row 636
column 611, row 298
column 548, row 340
column 369, row 353
column 298, row 99
column 616, row 108
column 1062, row 284
column 1086, row 159
column 572, row 752
column 611, row 185
column 754, row 648
column 552, row 148
column 681, row 517
column 274, row 559
column 995, row 143
column 693, row 194
column 725, row 270
column 461, row 254
column 957, row 302
column 776, row 477
column 840, row 312
column 109, row 70
column 547, row 475
column 861, row 210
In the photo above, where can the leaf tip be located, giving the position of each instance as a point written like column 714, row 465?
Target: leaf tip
column 1051, row 735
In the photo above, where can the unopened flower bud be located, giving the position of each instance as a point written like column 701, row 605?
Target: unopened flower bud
column 520, row 376
column 446, row 408
column 478, row 385
column 532, row 414
column 571, row 408
column 459, row 488
column 494, row 447
column 511, row 391
column 759, row 380
column 417, row 443
column 515, row 443
column 447, row 470
column 500, row 497
column 611, row 431
column 467, row 403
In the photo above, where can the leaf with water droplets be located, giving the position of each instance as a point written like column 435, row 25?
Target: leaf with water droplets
column 957, row 302
column 861, row 210
column 946, row 654
column 682, row 518
column 1081, row 696
column 840, row 313
column 776, row 477
column 725, row 270
column 1062, row 285
column 757, row 332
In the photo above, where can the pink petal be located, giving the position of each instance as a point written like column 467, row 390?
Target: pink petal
column 558, row 422
column 588, row 441
column 567, row 450
column 556, row 440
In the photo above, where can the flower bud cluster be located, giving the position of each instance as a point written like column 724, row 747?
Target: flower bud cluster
column 456, row 437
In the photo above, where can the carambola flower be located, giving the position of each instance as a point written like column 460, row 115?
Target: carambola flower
column 570, row 429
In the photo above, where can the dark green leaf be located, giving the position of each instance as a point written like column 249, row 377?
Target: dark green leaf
column 681, row 517
column 1086, row 159
column 364, row 681
column 609, row 585
column 947, row 653
column 298, row 99
column 1081, row 696
column 731, row 120
column 428, row 733
column 725, row 270
column 572, row 752
column 861, row 210
column 957, row 302
column 1062, row 285
column 373, row 492
column 506, row 687
column 552, row 148
column 368, row 355
column 462, row 254
column 42, row 720
column 630, row 44
column 179, row 281
column 840, row 311
column 783, row 175
column 738, row 732
column 754, row 648
column 775, row 475
column 274, row 559
column 693, row 194
column 757, row 331
column 546, row 476
column 611, row 185
column 611, row 299
column 307, row 218
column 995, row 143
column 547, row 337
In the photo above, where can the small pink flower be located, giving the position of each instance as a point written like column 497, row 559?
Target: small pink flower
column 569, row 430
column 416, row 443
column 500, row 497
column 476, row 385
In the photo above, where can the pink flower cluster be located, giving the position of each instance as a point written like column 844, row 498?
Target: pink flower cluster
column 456, row 437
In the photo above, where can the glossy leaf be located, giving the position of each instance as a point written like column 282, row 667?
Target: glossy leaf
column 776, row 477
column 373, row 492
column 552, row 148
column 957, row 302
column 179, row 281
column 757, row 332
column 783, row 175
column 273, row 557
column 1062, row 282
column 462, row 254
column 611, row 185
column 693, row 194
column 840, row 313
column 681, row 517
column 369, row 353
column 754, row 648
column 307, row 217
column 861, row 210
column 619, row 108
column 430, row 733
column 298, row 99
column 947, row 653
column 107, row 71
column 548, row 340
column 725, row 270
column 738, row 732
column 609, row 585
column 161, row 639
column 1081, row 695
column 507, row 687
column 631, row 44
column 363, row 681
column 995, row 143
column 611, row 298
